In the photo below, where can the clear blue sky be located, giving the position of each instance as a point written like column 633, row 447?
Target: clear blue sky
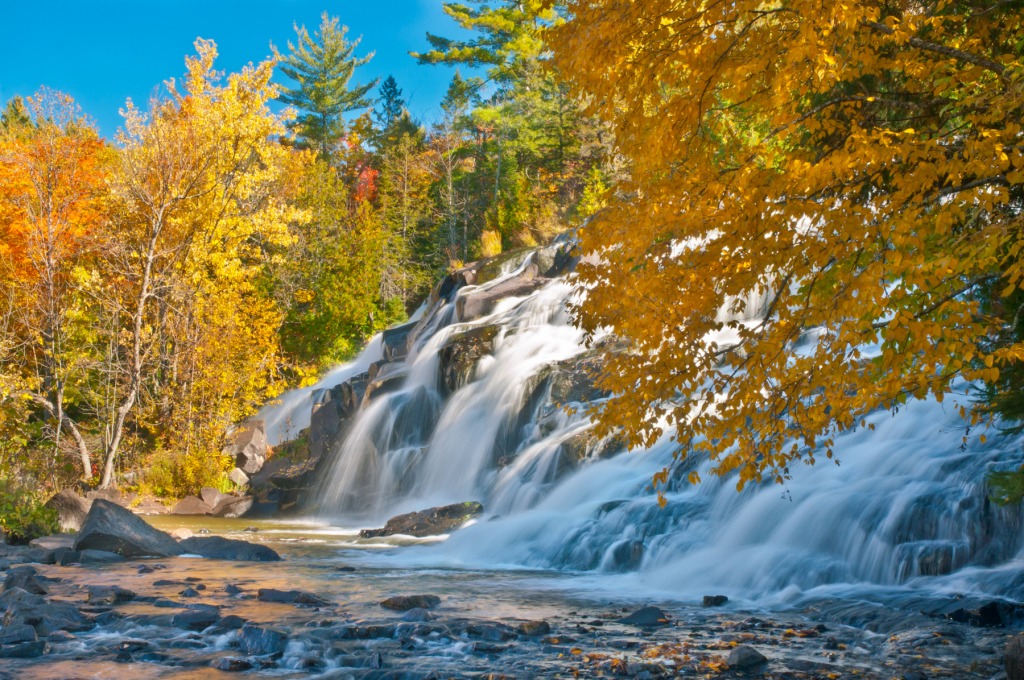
column 102, row 52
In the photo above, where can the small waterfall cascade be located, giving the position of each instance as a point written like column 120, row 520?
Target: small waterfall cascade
column 466, row 404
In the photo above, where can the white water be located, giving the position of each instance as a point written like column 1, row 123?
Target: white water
column 905, row 512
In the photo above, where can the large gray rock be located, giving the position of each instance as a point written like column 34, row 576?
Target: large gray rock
column 744, row 657
column 238, row 477
column 430, row 522
column 404, row 603
column 476, row 304
column 26, row 578
column 190, row 505
column 233, row 507
column 248, row 446
column 220, row 548
column 111, row 528
column 257, row 641
column 71, row 509
column 26, row 609
column 211, row 496
column 461, row 354
column 395, row 341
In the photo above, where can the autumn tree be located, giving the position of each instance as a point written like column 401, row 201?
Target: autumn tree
column 53, row 173
column 202, row 200
column 855, row 167
column 322, row 67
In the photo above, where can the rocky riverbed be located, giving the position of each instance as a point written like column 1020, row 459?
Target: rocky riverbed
column 332, row 608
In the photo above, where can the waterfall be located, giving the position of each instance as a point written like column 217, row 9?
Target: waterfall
column 467, row 405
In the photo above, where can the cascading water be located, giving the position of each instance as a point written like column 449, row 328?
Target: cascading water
column 469, row 409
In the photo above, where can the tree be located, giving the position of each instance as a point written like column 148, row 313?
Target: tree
column 857, row 168
column 322, row 67
column 390, row 105
column 53, row 174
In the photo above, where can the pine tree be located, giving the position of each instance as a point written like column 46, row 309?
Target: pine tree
column 390, row 105
column 322, row 67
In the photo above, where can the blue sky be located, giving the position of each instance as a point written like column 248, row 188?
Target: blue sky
column 102, row 52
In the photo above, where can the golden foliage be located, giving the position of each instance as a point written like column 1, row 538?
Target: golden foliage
column 851, row 167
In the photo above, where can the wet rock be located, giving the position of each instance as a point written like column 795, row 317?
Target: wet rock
column 232, row 664
column 219, row 548
column 26, row 578
column 228, row 623
column 1014, row 658
column 98, row 557
column 461, row 354
column 232, row 589
column 646, row 617
column 295, row 476
column 715, row 600
column 627, row 555
column 534, row 628
column 189, row 592
column 291, row 597
column 233, row 507
column 111, row 528
column 492, row 632
column 109, row 595
column 430, row 522
column 489, row 648
column 20, row 632
column 404, row 603
column 745, row 657
column 395, row 341
column 385, row 377
column 71, row 509
column 190, row 505
column 238, row 477
column 248, row 447
column 417, row 615
column 196, row 619
column 25, row 650
column 257, row 641
column 481, row 302
column 24, row 608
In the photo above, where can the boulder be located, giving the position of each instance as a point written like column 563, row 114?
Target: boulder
column 233, row 507
column 198, row 618
column 190, row 505
column 534, row 628
column 295, row 476
column 1014, row 659
column 385, row 377
column 403, row 603
column 109, row 595
column 646, row 617
column 26, row 578
column 715, row 600
column 257, row 641
column 248, row 446
column 111, row 528
column 291, row 597
column 71, row 509
column 238, row 477
column 219, row 548
column 211, row 496
column 745, row 657
column 28, row 609
column 25, row 650
column 18, row 633
column 430, row 522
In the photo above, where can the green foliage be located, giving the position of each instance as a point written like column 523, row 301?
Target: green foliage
column 171, row 474
column 1006, row 487
column 23, row 516
column 322, row 67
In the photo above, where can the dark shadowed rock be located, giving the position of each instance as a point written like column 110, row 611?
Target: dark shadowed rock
column 478, row 303
column 16, row 634
column 232, row 507
column 385, row 377
column 627, row 555
column 24, row 608
column 646, row 616
column 25, row 650
column 248, row 446
column 111, row 528
column 744, row 657
column 190, row 505
column 294, row 476
column 232, row 664
column 71, row 509
column 291, row 597
column 715, row 600
column 430, row 522
column 460, row 355
column 26, row 578
column 395, row 341
column 109, row 595
column 404, row 603
column 1014, row 659
column 219, row 548
column 256, row 641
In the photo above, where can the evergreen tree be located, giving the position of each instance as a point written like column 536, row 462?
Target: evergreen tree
column 390, row 105
column 322, row 66
column 15, row 115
